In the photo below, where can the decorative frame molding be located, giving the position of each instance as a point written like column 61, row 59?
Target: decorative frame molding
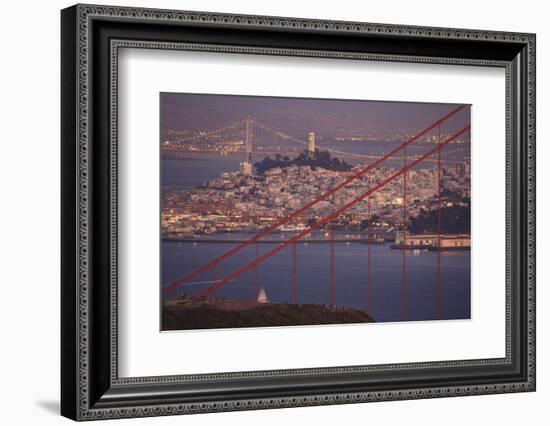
column 87, row 397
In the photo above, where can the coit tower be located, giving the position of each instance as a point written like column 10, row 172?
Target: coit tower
column 311, row 143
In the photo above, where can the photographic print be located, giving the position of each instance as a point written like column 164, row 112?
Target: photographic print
column 297, row 211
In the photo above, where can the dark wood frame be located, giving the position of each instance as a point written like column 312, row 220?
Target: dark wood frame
column 90, row 386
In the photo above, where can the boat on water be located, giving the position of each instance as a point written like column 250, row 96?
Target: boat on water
column 292, row 228
column 262, row 296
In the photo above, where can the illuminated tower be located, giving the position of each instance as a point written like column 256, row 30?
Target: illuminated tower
column 311, row 144
column 246, row 165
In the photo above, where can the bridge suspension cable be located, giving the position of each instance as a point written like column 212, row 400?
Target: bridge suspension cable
column 210, row 133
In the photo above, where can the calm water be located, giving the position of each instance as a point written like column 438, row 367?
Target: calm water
column 179, row 259
column 274, row 275
column 196, row 169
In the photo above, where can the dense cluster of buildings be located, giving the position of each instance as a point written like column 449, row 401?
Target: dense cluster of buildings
column 246, row 202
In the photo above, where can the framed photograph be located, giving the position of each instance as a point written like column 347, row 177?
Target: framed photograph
column 263, row 212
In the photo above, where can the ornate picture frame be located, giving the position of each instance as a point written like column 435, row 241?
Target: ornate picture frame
column 91, row 37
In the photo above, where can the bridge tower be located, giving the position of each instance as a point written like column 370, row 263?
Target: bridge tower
column 246, row 165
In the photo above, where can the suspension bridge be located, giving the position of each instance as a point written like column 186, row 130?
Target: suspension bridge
column 434, row 153
column 256, row 137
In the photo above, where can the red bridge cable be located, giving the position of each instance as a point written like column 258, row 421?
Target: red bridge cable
column 369, row 242
column 331, row 271
column 404, row 290
column 438, row 258
column 328, row 218
column 298, row 212
column 256, row 286
column 294, row 283
column 331, row 260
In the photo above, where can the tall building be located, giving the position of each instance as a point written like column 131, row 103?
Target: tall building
column 311, row 143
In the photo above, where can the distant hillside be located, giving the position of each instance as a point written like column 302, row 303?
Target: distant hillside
column 321, row 159
column 185, row 317
column 454, row 220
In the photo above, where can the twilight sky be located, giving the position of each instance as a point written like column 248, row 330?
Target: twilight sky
column 192, row 112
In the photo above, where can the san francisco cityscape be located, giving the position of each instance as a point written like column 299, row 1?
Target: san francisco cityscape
column 290, row 211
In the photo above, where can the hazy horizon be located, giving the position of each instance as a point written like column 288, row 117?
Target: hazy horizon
column 190, row 112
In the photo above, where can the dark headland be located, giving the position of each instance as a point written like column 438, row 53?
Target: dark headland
column 184, row 315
